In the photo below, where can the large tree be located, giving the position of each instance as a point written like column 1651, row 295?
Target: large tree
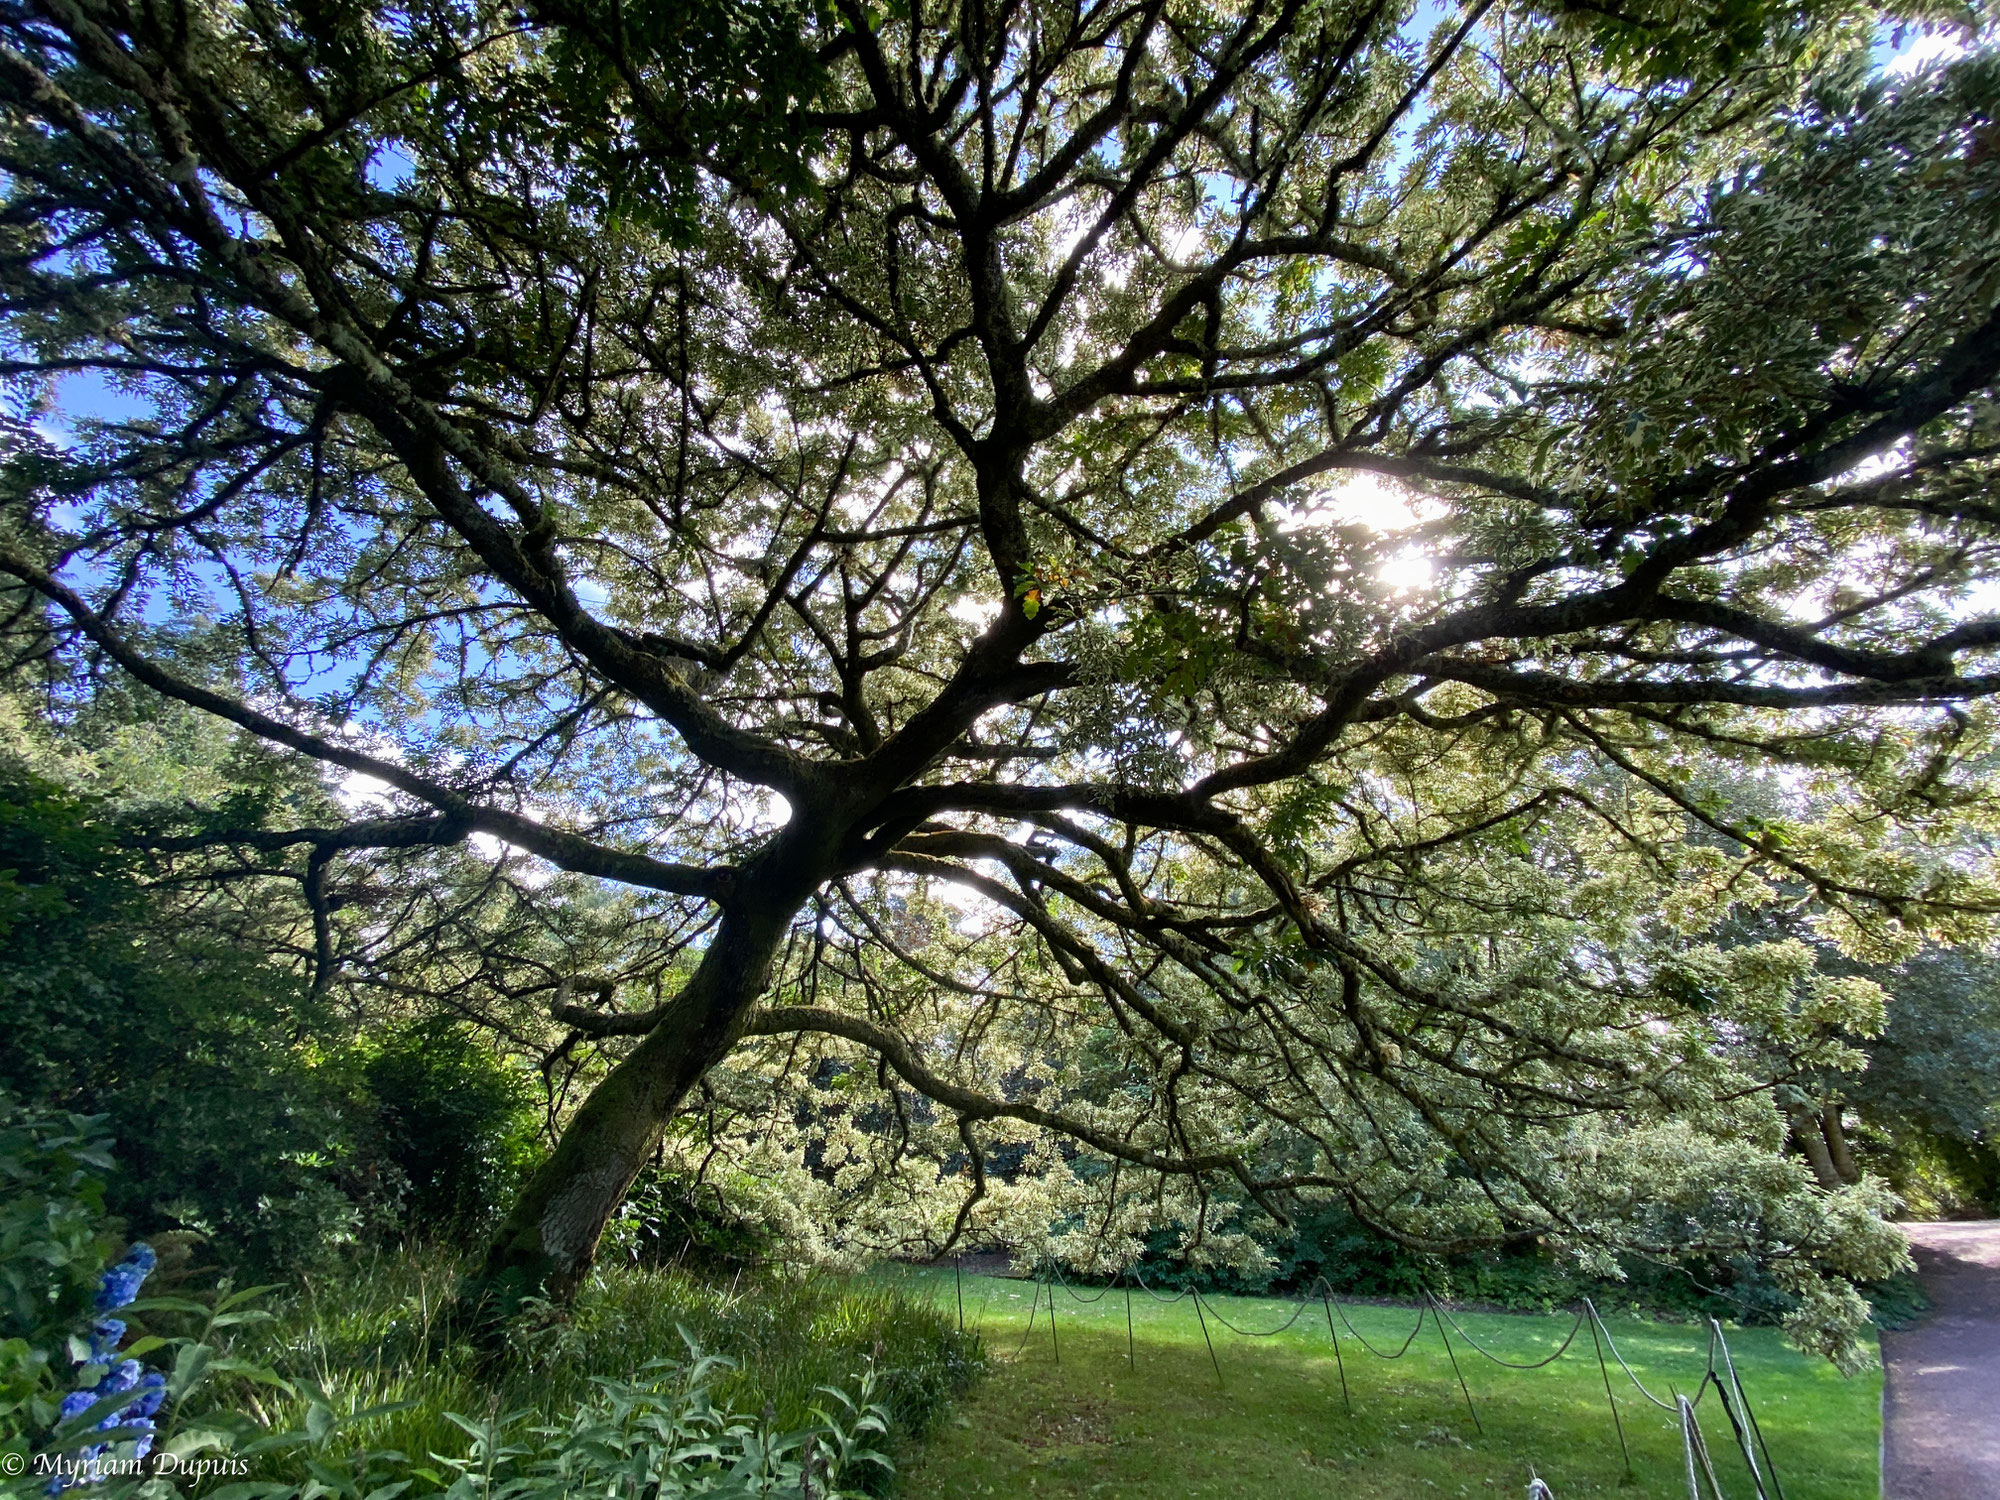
column 1277, row 512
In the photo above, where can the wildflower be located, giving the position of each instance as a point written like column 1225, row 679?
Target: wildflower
column 151, row 1394
column 105, row 1336
column 121, row 1282
column 148, row 1388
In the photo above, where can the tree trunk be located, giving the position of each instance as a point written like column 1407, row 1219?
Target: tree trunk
column 547, row 1243
column 1836, row 1144
column 1806, row 1132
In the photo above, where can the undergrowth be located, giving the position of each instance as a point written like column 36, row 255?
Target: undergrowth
column 371, row 1334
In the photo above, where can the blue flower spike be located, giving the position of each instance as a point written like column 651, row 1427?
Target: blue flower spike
column 120, row 1285
column 105, row 1336
column 122, row 1282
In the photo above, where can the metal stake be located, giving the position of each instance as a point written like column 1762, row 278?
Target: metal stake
column 1052, row 1326
column 1590, row 1309
column 1338, row 1363
column 1438, row 1318
column 1207, row 1340
column 1130, row 1358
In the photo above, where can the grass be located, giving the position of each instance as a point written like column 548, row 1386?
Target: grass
column 1069, row 1417
column 1094, row 1427
column 368, row 1334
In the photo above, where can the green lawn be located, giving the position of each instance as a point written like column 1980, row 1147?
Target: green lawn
column 1092, row 1425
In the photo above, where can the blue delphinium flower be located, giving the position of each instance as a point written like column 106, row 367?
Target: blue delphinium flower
column 149, row 1392
column 120, row 1285
column 105, row 1336
column 121, row 1282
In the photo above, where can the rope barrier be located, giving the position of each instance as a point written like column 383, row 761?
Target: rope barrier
column 1177, row 1296
column 1696, row 1451
column 1720, row 1367
column 1102, row 1293
column 1355, row 1333
column 1612, row 1345
column 1257, row 1333
column 1034, row 1302
column 1442, row 1312
column 1686, row 1415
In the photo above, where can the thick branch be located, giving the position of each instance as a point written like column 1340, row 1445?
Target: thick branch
column 567, row 851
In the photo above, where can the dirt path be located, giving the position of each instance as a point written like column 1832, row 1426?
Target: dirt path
column 1941, row 1433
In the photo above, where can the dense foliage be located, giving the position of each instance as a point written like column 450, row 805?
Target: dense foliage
column 346, row 1385
column 1929, row 1101
column 456, row 1125
column 1094, row 603
column 242, row 1109
column 176, row 1038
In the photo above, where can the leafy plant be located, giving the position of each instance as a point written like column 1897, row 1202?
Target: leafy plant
column 54, row 1233
column 662, row 1434
column 453, row 1121
column 183, row 1045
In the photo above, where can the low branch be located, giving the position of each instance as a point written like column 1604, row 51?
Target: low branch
column 567, row 851
column 782, row 1020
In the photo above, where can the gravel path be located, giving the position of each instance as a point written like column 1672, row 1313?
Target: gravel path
column 1941, row 1406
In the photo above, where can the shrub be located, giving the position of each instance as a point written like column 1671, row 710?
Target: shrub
column 239, row 1110
column 456, row 1126
column 54, row 1231
column 54, row 1238
column 182, row 1045
column 1328, row 1243
column 346, row 1395
column 668, row 1219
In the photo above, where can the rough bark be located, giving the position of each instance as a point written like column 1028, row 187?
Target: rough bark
column 549, row 1240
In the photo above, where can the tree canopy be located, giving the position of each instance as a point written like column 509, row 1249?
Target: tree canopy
column 1224, row 595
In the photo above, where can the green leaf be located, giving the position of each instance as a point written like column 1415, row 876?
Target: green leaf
column 190, row 1367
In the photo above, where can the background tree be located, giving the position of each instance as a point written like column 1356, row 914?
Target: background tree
column 1272, row 509
column 173, row 997
column 1928, row 1105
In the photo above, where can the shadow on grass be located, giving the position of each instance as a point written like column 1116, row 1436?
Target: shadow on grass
column 1274, row 1425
